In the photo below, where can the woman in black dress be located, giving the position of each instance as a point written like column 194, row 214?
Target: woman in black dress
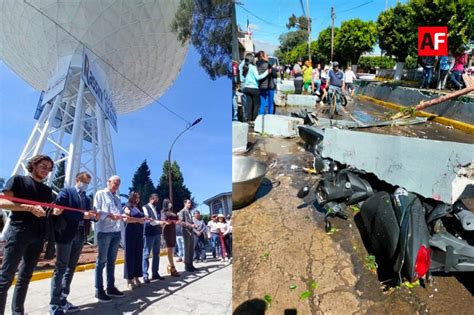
column 169, row 233
column 134, row 220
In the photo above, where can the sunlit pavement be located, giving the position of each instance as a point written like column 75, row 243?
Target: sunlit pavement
column 207, row 291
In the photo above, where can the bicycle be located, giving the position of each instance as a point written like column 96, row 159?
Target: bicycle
column 335, row 93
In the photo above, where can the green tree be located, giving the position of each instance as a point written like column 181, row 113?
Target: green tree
column 60, row 175
column 300, row 22
column 290, row 40
column 371, row 62
column 142, row 183
column 457, row 15
column 396, row 34
column 354, row 38
column 323, row 45
column 180, row 191
column 207, row 24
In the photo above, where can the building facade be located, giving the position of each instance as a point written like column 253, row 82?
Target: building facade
column 221, row 203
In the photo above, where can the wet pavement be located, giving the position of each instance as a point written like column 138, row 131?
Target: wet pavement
column 286, row 262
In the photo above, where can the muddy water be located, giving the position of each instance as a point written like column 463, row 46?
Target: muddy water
column 281, row 249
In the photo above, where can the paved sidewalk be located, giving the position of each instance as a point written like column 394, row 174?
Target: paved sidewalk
column 207, row 291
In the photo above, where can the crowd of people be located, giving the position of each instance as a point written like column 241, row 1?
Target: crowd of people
column 255, row 81
column 452, row 66
column 65, row 225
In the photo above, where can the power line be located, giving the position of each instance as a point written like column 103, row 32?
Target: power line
column 356, row 7
column 302, row 7
column 107, row 63
column 259, row 18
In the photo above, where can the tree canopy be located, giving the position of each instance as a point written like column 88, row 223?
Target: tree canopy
column 207, row 24
column 354, row 38
column 396, row 34
column 180, row 191
column 142, row 183
column 457, row 15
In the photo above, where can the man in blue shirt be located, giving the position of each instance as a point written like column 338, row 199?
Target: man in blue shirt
column 336, row 83
column 109, row 209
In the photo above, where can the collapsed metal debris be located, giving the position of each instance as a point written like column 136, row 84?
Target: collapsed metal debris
column 427, row 167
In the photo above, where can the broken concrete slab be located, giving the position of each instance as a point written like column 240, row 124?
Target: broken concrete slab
column 239, row 136
column 426, row 167
column 301, row 100
column 278, row 125
column 279, row 99
column 285, row 86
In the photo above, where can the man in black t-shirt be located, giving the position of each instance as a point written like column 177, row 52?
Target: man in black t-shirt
column 27, row 231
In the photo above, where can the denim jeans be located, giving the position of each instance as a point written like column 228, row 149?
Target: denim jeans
column 199, row 247
column 427, row 74
column 151, row 246
column 21, row 244
column 456, row 78
column 108, row 244
column 67, row 256
column 333, row 89
column 180, row 244
column 216, row 245
column 266, row 101
column 235, row 106
column 318, row 85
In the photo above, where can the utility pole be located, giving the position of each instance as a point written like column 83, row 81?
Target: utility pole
column 333, row 15
column 308, row 17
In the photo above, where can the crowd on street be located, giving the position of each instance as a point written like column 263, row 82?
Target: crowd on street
column 63, row 227
column 256, row 80
column 451, row 66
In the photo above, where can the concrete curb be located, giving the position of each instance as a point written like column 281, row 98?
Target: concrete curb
column 439, row 119
column 46, row 274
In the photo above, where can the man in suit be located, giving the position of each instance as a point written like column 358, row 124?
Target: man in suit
column 188, row 235
column 152, row 235
column 71, row 230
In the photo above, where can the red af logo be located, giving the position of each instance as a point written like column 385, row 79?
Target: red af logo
column 432, row 40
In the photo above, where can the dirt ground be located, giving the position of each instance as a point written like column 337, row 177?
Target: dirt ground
column 285, row 262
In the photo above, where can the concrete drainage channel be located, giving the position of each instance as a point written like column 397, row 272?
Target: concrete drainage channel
column 285, row 259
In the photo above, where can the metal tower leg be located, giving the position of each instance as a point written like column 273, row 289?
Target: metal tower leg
column 75, row 154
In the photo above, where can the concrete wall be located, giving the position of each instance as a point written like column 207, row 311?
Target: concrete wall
column 460, row 109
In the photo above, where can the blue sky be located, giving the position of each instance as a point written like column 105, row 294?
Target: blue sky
column 204, row 153
column 275, row 15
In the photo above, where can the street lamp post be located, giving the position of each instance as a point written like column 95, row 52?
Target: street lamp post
column 170, row 180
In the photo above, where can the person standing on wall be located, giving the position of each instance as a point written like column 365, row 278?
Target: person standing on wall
column 187, row 222
column 71, row 230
